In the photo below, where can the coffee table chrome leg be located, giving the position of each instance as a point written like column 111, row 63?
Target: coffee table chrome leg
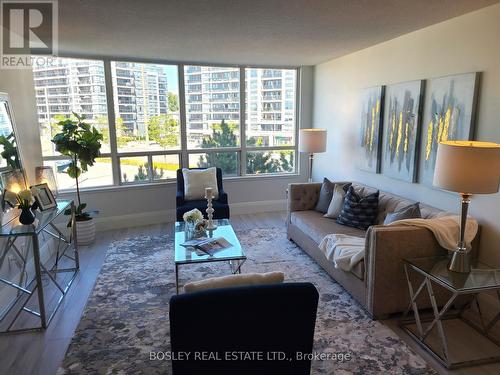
column 177, row 279
column 236, row 266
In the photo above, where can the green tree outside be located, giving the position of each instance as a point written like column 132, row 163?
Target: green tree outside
column 173, row 102
column 164, row 130
column 223, row 135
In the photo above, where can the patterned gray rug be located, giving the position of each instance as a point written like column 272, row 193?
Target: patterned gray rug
column 126, row 317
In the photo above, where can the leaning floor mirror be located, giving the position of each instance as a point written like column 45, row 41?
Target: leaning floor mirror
column 12, row 175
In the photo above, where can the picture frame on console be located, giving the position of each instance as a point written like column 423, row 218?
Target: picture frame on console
column 43, row 196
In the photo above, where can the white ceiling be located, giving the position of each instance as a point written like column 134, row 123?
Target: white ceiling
column 272, row 32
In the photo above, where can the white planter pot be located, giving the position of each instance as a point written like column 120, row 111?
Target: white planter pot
column 85, row 232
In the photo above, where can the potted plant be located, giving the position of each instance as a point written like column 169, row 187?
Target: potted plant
column 81, row 142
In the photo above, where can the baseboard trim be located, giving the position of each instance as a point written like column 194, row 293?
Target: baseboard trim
column 164, row 216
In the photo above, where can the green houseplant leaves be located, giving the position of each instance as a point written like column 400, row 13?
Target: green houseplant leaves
column 81, row 142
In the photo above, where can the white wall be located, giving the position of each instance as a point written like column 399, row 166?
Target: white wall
column 463, row 44
column 134, row 205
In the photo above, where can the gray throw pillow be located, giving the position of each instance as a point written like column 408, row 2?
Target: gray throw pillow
column 409, row 212
column 325, row 195
column 337, row 201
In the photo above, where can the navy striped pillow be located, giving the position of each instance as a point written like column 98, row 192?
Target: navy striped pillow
column 359, row 212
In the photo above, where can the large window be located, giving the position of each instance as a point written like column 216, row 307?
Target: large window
column 242, row 120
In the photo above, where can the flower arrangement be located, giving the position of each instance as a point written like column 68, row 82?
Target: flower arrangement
column 193, row 216
column 24, row 199
column 25, row 203
column 196, row 225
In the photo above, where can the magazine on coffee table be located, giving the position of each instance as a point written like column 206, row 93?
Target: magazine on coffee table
column 208, row 245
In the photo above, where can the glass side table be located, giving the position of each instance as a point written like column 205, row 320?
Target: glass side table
column 434, row 271
column 56, row 272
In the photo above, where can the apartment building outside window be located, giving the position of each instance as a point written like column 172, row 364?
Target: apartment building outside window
column 242, row 120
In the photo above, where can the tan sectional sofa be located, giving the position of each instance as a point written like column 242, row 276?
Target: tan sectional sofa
column 378, row 282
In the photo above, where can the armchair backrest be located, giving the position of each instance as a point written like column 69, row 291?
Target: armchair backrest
column 180, row 180
column 261, row 320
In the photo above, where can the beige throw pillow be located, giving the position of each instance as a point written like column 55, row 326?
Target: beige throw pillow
column 235, row 280
column 196, row 180
column 337, row 201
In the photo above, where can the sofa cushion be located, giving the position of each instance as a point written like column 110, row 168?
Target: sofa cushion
column 325, row 195
column 388, row 203
column 337, row 202
column 316, row 226
column 409, row 212
column 196, row 180
column 235, row 280
column 359, row 211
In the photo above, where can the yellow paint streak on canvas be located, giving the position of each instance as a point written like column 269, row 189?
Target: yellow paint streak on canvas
column 440, row 128
column 393, row 127
column 400, row 133
column 428, row 145
column 406, row 138
column 446, row 129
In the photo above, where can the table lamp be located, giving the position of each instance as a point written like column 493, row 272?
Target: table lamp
column 312, row 141
column 466, row 167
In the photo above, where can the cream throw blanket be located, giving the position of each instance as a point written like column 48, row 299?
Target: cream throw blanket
column 446, row 229
column 346, row 251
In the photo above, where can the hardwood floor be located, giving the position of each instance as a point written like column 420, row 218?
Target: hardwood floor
column 40, row 353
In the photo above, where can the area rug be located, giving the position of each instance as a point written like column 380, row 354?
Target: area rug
column 125, row 323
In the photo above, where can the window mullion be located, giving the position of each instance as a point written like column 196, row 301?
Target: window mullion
column 184, row 160
column 108, row 78
column 298, row 116
column 243, row 153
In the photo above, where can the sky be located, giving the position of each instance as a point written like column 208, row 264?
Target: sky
column 172, row 79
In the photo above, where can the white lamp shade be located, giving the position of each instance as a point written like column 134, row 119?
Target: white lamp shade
column 312, row 140
column 468, row 167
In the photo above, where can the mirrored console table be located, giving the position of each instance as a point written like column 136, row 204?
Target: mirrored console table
column 35, row 299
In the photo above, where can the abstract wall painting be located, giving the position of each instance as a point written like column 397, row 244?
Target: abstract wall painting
column 372, row 106
column 401, row 130
column 449, row 114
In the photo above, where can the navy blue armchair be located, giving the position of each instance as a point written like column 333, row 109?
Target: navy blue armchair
column 220, row 205
column 244, row 330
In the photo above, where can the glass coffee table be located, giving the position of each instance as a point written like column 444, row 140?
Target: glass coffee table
column 234, row 255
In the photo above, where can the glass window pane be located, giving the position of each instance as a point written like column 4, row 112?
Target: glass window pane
column 259, row 162
column 100, row 174
column 165, row 167
column 227, row 161
column 212, row 106
column 134, row 169
column 270, row 107
column 146, row 99
column 64, row 86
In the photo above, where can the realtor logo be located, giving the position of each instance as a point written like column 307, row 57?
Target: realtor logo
column 28, row 28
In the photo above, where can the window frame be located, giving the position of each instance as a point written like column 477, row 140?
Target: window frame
column 183, row 153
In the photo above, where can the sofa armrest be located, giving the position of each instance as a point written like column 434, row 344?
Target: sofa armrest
column 302, row 197
column 222, row 197
column 179, row 198
column 386, row 248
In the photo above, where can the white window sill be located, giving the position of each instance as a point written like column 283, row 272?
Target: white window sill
column 173, row 182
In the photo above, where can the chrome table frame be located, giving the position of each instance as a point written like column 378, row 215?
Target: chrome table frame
column 36, row 285
column 235, row 262
column 444, row 313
